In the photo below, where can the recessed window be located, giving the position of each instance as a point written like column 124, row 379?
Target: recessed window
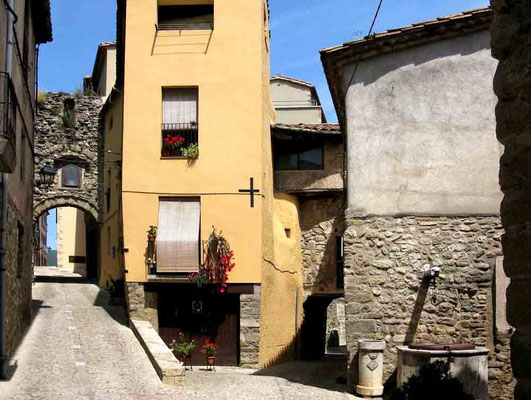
column 298, row 156
column 177, row 17
column 287, row 231
column 71, row 176
column 178, row 235
column 20, row 249
column 69, row 113
column 179, row 120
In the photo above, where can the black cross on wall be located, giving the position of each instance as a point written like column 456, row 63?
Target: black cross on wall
column 251, row 191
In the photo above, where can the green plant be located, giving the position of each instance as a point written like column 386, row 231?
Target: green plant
column 433, row 381
column 218, row 262
column 152, row 231
column 41, row 97
column 209, row 349
column 182, row 345
column 192, row 151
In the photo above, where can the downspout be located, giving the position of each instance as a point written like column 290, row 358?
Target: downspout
column 11, row 19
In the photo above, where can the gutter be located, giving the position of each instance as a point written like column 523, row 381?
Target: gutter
column 11, row 19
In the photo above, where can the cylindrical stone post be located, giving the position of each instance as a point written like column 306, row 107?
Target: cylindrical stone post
column 370, row 367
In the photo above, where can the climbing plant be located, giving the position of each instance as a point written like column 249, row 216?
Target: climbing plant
column 218, row 262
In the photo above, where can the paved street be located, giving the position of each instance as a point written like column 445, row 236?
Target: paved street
column 79, row 347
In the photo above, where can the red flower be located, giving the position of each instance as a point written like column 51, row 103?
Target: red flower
column 225, row 260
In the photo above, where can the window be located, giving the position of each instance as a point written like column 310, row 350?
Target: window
column 25, row 43
column 298, row 156
column 179, row 120
column 20, row 249
column 108, row 191
column 23, row 157
column 177, row 17
column 340, row 273
column 69, row 113
column 71, row 176
column 178, row 235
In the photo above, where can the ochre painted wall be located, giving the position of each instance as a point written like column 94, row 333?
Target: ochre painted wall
column 110, row 250
column 227, row 66
column 282, row 291
column 71, row 239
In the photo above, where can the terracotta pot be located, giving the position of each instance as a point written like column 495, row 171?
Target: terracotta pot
column 151, row 238
column 184, row 358
column 211, row 360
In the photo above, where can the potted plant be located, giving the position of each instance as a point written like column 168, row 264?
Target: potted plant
column 218, row 263
column 191, row 152
column 171, row 144
column 210, row 350
column 183, row 347
column 152, row 233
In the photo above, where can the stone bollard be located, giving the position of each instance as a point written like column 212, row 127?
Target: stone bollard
column 370, row 367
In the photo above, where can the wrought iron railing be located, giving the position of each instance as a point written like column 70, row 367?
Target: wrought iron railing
column 188, row 132
column 181, row 26
column 8, row 121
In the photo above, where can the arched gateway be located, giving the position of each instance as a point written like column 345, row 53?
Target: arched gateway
column 68, row 161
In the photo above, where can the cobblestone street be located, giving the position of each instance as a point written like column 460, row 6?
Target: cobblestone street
column 79, row 347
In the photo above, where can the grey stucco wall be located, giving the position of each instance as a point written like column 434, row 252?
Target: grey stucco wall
column 421, row 131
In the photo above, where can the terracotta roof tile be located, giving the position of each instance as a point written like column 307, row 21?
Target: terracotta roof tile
column 317, row 128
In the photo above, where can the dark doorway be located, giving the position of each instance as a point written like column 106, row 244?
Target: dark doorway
column 92, row 249
column 201, row 315
column 313, row 329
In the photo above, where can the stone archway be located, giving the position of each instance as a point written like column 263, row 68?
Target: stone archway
column 67, row 138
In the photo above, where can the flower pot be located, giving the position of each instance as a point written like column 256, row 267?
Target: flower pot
column 152, row 238
column 211, row 360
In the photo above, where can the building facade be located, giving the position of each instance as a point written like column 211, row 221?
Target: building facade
column 26, row 24
column 419, row 194
column 225, row 183
column 72, row 240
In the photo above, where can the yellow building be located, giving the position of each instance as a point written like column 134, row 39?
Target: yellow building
column 71, row 240
column 198, row 71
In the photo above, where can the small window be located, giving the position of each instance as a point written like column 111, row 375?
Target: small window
column 179, row 120
column 69, row 113
column 71, row 176
column 298, row 156
column 20, row 249
column 186, row 17
column 340, row 274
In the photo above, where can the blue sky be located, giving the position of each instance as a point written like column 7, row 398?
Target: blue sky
column 51, row 237
column 299, row 30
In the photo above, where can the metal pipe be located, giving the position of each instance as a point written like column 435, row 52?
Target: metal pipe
column 11, row 18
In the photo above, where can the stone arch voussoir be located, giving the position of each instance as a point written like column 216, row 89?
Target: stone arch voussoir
column 65, row 201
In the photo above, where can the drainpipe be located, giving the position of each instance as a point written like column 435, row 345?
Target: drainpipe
column 11, row 18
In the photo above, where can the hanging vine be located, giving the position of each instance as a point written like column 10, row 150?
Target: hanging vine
column 218, row 262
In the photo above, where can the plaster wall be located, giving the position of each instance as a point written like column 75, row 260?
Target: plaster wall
column 421, row 130
column 287, row 92
column 231, row 128
column 71, row 239
column 298, row 114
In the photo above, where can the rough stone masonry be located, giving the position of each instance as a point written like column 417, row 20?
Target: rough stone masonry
column 387, row 298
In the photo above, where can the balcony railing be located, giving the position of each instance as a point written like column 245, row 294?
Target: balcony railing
column 181, row 26
column 188, row 132
column 8, row 123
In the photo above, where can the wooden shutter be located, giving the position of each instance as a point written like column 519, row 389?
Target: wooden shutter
column 178, row 236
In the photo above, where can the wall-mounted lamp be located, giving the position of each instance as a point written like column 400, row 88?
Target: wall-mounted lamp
column 47, row 174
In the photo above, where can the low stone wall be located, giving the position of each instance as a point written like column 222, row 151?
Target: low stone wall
column 322, row 220
column 142, row 305
column 250, row 328
column 386, row 297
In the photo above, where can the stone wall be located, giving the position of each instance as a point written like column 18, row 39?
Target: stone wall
column 386, row 297
column 322, row 220
column 250, row 328
column 53, row 140
column 19, row 279
column 141, row 304
column 335, row 321
column 511, row 45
